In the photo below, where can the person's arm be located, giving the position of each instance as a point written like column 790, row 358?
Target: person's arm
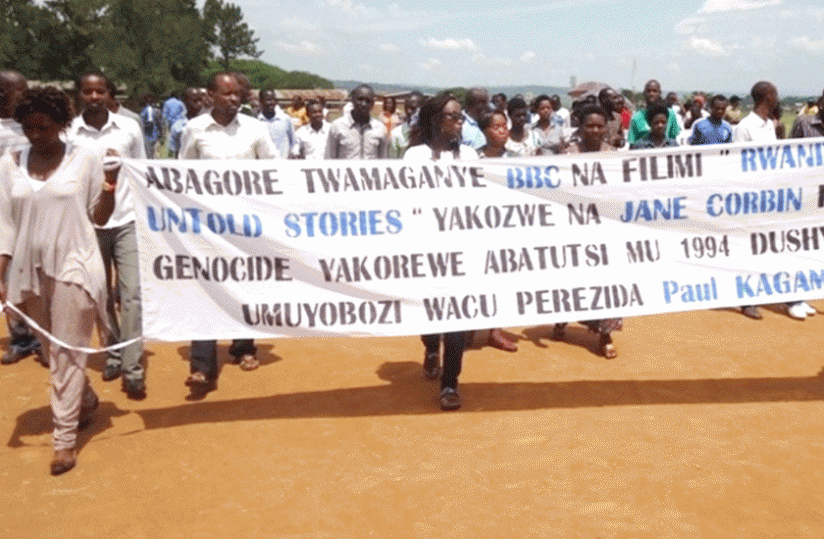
column 7, row 228
column 383, row 145
column 672, row 125
column 101, row 194
column 332, row 151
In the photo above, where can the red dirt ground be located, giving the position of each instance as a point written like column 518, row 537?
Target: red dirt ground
column 708, row 424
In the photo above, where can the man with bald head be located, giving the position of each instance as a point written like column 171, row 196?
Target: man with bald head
column 476, row 106
column 12, row 84
column 639, row 127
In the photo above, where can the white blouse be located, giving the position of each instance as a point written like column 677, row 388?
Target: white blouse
column 51, row 228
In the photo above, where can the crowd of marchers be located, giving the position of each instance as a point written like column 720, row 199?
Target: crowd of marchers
column 68, row 248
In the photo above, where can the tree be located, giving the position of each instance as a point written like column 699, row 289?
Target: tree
column 228, row 33
column 155, row 45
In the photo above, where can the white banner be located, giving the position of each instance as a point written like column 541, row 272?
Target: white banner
column 262, row 249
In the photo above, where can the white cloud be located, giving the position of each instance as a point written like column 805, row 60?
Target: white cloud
column 450, row 44
column 366, row 68
column 715, row 6
column 806, row 44
column 495, row 62
column 430, row 65
column 689, row 26
column 348, row 6
column 706, row 47
column 528, row 56
column 673, row 68
column 299, row 24
column 388, row 48
column 304, row 47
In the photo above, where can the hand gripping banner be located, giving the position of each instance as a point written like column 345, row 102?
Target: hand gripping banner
column 263, row 249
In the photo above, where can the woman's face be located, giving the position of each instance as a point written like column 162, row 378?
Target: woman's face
column 451, row 123
column 497, row 133
column 593, row 129
column 658, row 125
column 41, row 130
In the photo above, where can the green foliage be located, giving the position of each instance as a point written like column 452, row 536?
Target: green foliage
column 263, row 75
column 228, row 33
column 154, row 45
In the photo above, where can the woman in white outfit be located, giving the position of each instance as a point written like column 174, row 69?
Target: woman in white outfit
column 51, row 195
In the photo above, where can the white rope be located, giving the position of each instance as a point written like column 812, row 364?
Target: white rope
column 43, row 333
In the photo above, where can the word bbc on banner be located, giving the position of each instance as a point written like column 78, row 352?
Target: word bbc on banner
column 323, row 248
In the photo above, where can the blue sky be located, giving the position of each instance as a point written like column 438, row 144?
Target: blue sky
column 710, row 45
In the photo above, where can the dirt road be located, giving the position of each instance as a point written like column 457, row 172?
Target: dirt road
column 708, row 424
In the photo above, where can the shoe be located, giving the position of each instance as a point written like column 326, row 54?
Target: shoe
column 450, row 400
column 15, row 354
column 248, row 362
column 135, row 389
column 110, row 373
column 809, row 309
column 796, row 311
column 432, row 366
column 87, row 413
column 63, row 460
column 752, row 311
column 497, row 340
column 199, row 380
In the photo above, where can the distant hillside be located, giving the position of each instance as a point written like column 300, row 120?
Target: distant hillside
column 263, row 75
column 381, row 88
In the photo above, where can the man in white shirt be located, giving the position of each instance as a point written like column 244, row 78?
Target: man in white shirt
column 357, row 135
column 310, row 140
column 223, row 134
column 113, row 134
column 12, row 84
column 281, row 128
column 758, row 126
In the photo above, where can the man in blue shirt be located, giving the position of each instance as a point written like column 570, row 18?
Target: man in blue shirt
column 281, row 128
column 193, row 99
column 714, row 129
column 151, row 122
column 173, row 109
column 477, row 104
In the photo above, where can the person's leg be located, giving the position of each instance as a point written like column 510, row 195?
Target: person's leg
column 432, row 356
column 453, row 349
column 203, row 358
column 128, row 282
column 68, row 312
column 106, row 241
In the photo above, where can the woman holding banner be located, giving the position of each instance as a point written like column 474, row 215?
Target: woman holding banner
column 439, row 139
column 592, row 131
column 51, row 196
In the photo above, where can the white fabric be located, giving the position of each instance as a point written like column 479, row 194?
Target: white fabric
column 12, row 138
column 311, row 143
column 123, row 135
column 360, row 247
column 243, row 138
column 50, row 229
column 423, row 152
column 753, row 128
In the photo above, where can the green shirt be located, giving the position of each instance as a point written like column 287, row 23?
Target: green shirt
column 639, row 127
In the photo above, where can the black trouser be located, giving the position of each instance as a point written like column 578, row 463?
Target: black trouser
column 453, row 349
column 23, row 340
column 203, row 354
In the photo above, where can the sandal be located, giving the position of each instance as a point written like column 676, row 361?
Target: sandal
column 497, row 340
column 199, row 380
column 607, row 348
column 248, row 362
